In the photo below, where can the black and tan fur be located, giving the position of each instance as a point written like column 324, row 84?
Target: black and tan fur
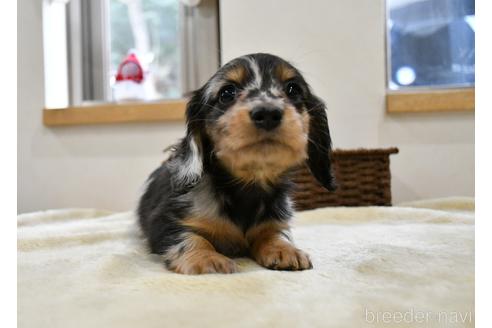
column 224, row 191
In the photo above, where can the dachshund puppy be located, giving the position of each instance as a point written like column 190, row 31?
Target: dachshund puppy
column 224, row 190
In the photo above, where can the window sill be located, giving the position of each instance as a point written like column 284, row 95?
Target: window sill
column 448, row 100
column 163, row 111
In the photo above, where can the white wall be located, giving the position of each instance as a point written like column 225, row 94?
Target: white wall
column 340, row 48
column 339, row 45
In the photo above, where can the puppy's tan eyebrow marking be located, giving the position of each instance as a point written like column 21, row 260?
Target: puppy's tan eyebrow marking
column 284, row 72
column 236, row 74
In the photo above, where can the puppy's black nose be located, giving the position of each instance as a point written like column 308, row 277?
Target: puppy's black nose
column 267, row 118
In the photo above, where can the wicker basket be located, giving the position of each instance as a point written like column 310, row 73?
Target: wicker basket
column 362, row 176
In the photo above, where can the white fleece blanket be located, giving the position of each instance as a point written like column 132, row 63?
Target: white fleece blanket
column 408, row 266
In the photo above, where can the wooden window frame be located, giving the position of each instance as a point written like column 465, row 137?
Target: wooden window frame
column 110, row 113
column 430, row 100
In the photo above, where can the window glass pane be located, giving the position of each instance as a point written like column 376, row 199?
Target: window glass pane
column 431, row 43
column 148, row 29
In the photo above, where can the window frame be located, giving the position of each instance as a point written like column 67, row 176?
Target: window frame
column 88, row 50
column 116, row 113
column 423, row 99
column 200, row 23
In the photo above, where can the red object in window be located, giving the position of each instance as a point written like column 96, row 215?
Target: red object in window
column 130, row 70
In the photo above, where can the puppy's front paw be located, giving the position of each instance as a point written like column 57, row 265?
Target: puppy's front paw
column 283, row 256
column 200, row 262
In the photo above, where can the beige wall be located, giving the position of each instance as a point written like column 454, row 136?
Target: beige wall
column 339, row 45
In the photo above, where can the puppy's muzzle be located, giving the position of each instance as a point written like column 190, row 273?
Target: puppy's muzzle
column 266, row 117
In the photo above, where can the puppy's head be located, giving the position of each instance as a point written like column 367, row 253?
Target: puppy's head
column 260, row 118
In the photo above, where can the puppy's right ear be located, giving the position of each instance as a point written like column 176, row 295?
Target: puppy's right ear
column 195, row 115
column 191, row 167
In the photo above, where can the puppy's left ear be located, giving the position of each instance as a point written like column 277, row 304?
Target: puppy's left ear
column 319, row 144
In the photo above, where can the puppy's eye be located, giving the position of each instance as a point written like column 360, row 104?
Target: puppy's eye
column 227, row 94
column 293, row 90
